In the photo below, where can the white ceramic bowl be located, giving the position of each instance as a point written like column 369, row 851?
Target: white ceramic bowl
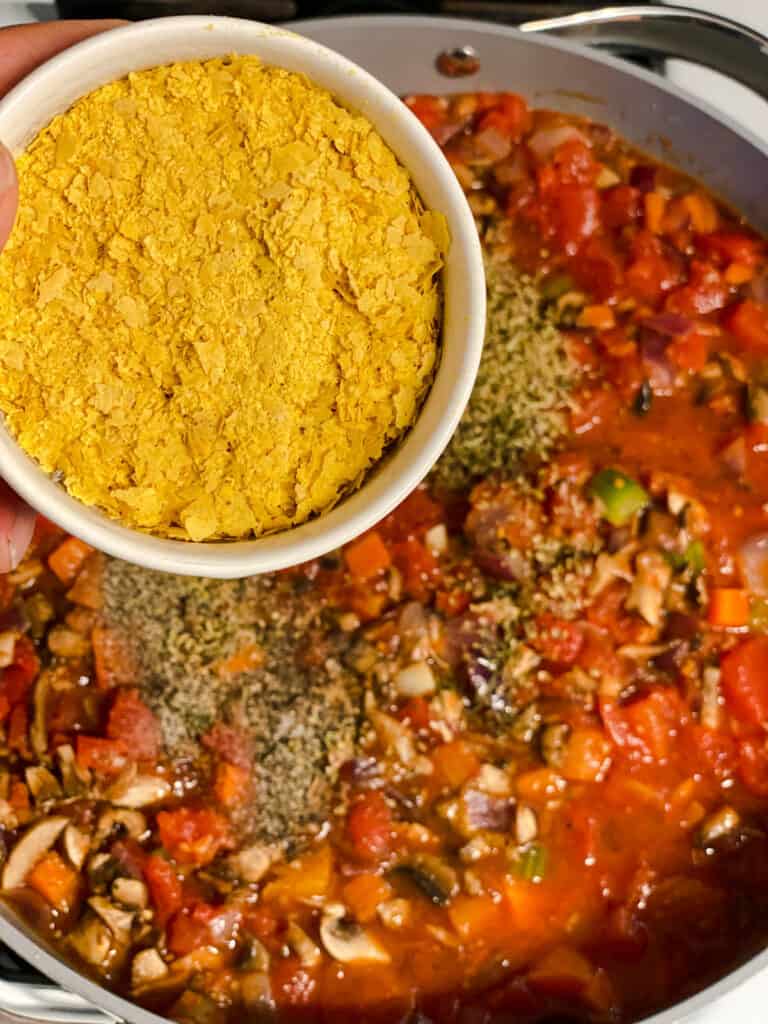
column 54, row 86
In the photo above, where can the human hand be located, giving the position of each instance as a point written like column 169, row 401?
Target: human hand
column 22, row 48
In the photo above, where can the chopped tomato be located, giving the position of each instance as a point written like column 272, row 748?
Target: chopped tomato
column 598, row 268
column 230, row 743
column 416, row 712
column 18, row 677
column 753, row 766
column 748, row 323
column 419, row 568
column 509, row 116
column 728, row 607
column 165, row 888
column 712, row 749
column 452, row 602
column 202, row 925
column 731, row 247
column 103, row 756
column 648, row 726
column 652, row 271
column 689, row 351
column 574, row 163
column 193, row 836
column 412, row 517
column 432, row 112
column 558, row 640
column 744, row 681
column 112, row 658
column 622, row 205
column 454, row 763
column 577, row 215
column 369, row 826
column 706, row 292
column 131, row 721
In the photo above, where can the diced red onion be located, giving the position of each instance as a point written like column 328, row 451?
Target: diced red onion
column 487, row 813
column 653, row 351
column 544, row 142
column 753, row 559
column 670, row 324
column 493, row 144
column 643, row 177
column 734, row 456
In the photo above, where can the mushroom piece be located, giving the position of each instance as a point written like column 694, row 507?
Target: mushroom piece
column 92, row 941
column 43, row 785
column 717, row 825
column 147, row 969
column 253, row 863
column 132, row 821
column 76, row 845
column 38, row 731
column 73, row 778
column 140, row 791
column 301, row 944
column 130, row 892
column 32, row 846
column 433, row 878
column 346, row 941
column 649, row 586
column 117, row 920
column 256, row 991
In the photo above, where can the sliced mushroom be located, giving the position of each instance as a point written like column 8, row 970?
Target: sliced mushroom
column 393, row 735
column 43, row 785
column 526, row 825
column 253, row 863
column 141, row 791
column 711, row 713
column 395, row 913
column 256, row 991
column 102, row 870
column 717, row 825
column 431, row 876
column 649, row 586
column 301, row 944
column 76, row 845
column 131, row 821
column 92, row 941
column 346, row 941
column 416, row 680
column 493, row 780
column 256, row 957
column 118, row 921
column 130, row 892
column 147, row 969
column 74, row 779
column 38, row 731
column 552, row 742
column 32, row 846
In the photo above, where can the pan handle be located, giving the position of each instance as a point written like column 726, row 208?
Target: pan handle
column 658, row 32
column 32, row 1002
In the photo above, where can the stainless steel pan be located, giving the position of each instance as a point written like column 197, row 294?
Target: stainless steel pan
column 406, row 52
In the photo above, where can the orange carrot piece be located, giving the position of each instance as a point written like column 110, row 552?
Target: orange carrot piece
column 454, row 763
column 231, row 786
column 476, row 917
column 55, row 880
column 586, row 757
column 112, row 660
column 739, row 273
column 703, row 213
column 655, row 206
column 86, row 589
column 601, row 318
column 368, row 556
column 364, row 893
column 68, row 558
column 728, row 606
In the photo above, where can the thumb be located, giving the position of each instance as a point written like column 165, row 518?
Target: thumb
column 9, row 194
column 17, row 524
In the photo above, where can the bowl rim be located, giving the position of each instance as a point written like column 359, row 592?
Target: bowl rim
column 416, row 452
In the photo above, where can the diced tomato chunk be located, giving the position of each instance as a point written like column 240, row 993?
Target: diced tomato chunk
column 574, row 163
column 105, row 757
column 18, row 677
column 164, row 888
column 622, row 205
column 558, row 640
column 577, row 215
column 509, row 116
column 230, row 743
column 731, row 247
column 744, row 681
column 132, row 722
column 748, row 323
column 753, row 766
column 706, row 292
column 369, row 827
column 419, row 568
column 193, row 836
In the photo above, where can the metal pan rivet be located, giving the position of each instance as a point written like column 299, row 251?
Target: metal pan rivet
column 458, row 62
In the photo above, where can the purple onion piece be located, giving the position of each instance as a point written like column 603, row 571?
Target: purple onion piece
column 487, row 813
column 670, row 324
column 643, row 177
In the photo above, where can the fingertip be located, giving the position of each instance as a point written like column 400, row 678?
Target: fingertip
column 9, row 194
column 17, row 527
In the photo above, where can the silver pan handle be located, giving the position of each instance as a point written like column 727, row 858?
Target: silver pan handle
column 29, row 1002
column 659, row 32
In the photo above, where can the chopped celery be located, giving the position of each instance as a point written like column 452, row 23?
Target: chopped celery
column 618, row 495
column 531, row 863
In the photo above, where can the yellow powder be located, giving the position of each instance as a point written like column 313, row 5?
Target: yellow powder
column 219, row 304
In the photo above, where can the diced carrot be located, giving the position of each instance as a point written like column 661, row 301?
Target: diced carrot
column 86, row 589
column 231, row 786
column 55, row 880
column 364, row 893
column 562, row 973
column 748, row 323
column 103, row 756
column 68, row 558
column 728, row 606
column 541, row 784
column 600, row 318
column 308, row 877
column 655, row 205
column 246, row 659
column 739, row 273
column 703, row 213
column 367, row 557
column 476, row 917
column 586, row 757
column 454, row 763
column 112, row 659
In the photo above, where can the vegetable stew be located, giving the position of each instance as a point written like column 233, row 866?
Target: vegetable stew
column 551, row 797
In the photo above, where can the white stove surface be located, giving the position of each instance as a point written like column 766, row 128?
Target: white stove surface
column 749, row 1003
